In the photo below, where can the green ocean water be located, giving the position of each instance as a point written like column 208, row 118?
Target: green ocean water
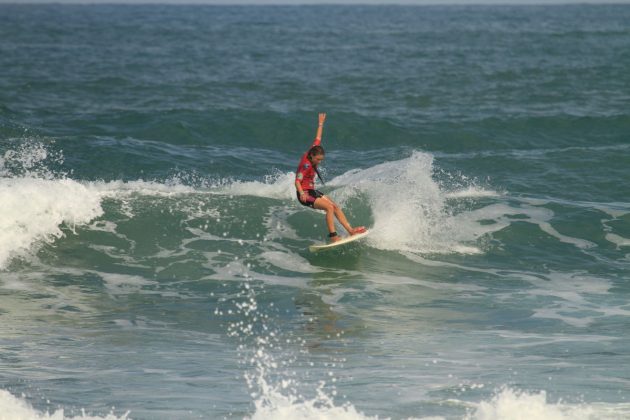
column 154, row 260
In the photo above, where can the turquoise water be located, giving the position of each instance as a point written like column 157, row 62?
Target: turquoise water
column 153, row 258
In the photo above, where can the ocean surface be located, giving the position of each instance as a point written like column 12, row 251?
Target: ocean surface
column 154, row 261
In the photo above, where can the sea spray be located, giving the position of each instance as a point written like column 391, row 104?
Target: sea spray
column 410, row 208
column 273, row 384
column 31, row 158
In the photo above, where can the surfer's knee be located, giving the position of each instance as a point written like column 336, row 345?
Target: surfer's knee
column 325, row 205
column 337, row 209
column 333, row 205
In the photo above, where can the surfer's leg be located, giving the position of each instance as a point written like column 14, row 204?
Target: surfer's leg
column 339, row 214
column 344, row 221
column 329, row 207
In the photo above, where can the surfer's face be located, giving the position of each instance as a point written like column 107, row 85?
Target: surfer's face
column 317, row 159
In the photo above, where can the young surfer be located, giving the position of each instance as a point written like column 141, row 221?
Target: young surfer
column 309, row 196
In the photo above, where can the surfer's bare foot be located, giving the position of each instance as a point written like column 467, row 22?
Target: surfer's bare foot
column 358, row 229
column 335, row 239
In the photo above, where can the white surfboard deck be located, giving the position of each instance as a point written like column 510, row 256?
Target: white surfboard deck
column 347, row 239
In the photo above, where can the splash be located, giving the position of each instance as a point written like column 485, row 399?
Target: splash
column 31, row 158
column 410, row 209
column 273, row 386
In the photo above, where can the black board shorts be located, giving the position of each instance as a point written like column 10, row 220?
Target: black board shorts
column 311, row 196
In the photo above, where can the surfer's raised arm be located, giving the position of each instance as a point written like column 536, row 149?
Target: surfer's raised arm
column 320, row 128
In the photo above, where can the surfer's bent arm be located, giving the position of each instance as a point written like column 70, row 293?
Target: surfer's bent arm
column 298, row 186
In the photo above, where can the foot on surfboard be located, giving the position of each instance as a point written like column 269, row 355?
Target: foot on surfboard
column 338, row 242
column 335, row 239
column 358, row 229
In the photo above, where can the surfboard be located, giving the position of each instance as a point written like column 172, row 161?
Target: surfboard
column 341, row 243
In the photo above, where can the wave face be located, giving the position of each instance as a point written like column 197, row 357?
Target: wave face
column 154, row 260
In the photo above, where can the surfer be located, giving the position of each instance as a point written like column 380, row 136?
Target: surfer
column 309, row 196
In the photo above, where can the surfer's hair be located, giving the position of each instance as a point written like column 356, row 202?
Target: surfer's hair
column 316, row 150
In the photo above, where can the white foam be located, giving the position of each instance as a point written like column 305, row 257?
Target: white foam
column 616, row 210
column 570, row 297
column 118, row 284
column 14, row 284
column 511, row 404
column 502, row 216
column 120, row 189
column 580, row 243
column 617, row 240
column 13, row 408
column 471, row 192
column 613, row 209
column 34, row 209
column 276, row 223
column 279, row 186
column 288, row 261
column 277, row 406
column 238, row 271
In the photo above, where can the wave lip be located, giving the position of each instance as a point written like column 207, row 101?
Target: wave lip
column 34, row 210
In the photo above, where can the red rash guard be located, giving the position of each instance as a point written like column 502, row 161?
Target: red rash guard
column 305, row 173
